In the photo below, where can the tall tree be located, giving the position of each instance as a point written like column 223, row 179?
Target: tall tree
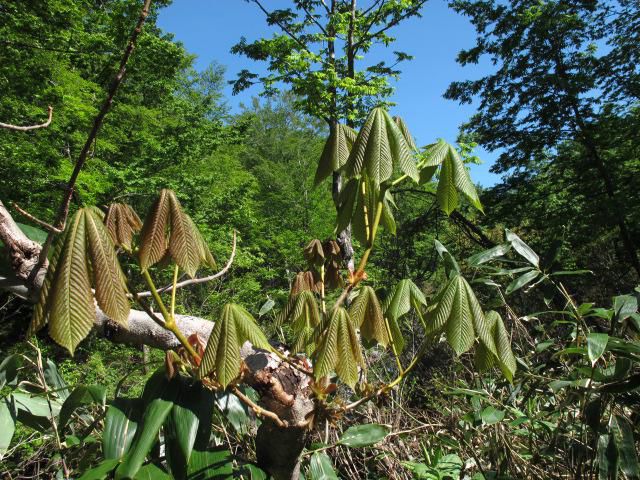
column 546, row 89
column 316, row 54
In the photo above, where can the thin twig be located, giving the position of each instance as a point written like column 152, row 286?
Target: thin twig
column 45, row 225
column 257, row 409
column 18, row 128
column 195, row 281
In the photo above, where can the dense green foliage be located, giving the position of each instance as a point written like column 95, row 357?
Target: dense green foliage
column 520, row 368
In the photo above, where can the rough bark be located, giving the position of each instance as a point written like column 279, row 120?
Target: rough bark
column 283, row 389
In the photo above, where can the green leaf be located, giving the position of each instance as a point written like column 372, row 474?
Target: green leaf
column 404, row 295
column 55, row 380
column 36, row 406
column 7, row 425
column 336, row 151
column 152, row 472
column 210, row 464
column 502, row 340
column 405, row 133
column 446, row 194
column 451, row 266
column 364, row 435
column 596, row 346
column 379, row 148
column 366, row 313
column 339, row 349
column 487, row 255
column 624, row 306
column 521, row 281
column 9, row 369
column 33, row 233
column 491, row 415
column 80, row 396
column 435, row 153
column 607, row 457
column 120, row 426
column 159, row 396
column 234, row 410
column 346, row 203
column 622, row 432
column 522, row 248
column 320, row 467
column 222, row 354
column 100, row 471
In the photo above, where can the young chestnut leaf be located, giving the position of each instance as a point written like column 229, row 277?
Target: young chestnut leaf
column 336, row 151
column 83, row 256
column 169, row 230
column 339, row 349
column 122, row 223
column 222, row 354
column 503, row 357
column 366, row 313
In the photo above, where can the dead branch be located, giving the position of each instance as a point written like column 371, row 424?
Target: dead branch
column 48, row 227
column 195, row 281
column 18, row 128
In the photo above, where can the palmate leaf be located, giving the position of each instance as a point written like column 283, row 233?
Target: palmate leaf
column 339, row 349
column 83, row 255
column 456, row 311
column 405, row 295
column 303, row 314
column 454, row 177
column 366, row 313
column 405, row 133
column 222, row 354
column 336, row 151
column 503, row 358
column 168, row 229
column 122, row 223
column 379, row 148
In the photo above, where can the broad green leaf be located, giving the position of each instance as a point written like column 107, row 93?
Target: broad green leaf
column 405, row 133
column 596, row 346
column 446, row 194
column 521, row 281
column 339, row 349
column 622, row 432
column 364, row 435
column 159, row 397
column 491, row 415
column 234, row 410
column 607, row 457
column 32, row 233
column 346, row 203
column 266, row 307
column 37, row 406
column 320, row 467
column 502, row 340
column 336, row 151
column 459, row 327
column 7, row 425
column 367, row 203
column 624, row 306
column 55, row 380
column 153, row 237
column 435, row 153
column 9, row 369
column 100, row 471
column 487, row 255
column 451, row 266
column 379, row 148
column 120, row 426
column 522, row 248
column 366, row 313
column 152, row 472
column 215, row 463
column 81, row 396
column 404, row 295
column 222, row 354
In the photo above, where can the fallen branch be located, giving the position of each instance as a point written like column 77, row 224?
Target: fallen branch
column 18, row 128
column 195, row 281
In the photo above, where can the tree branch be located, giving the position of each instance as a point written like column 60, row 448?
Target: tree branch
column 8, row 126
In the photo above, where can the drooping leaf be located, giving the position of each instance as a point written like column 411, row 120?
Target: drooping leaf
column 222, row 355
column 314, row 253
column 120, row 426
column 379, row 148
column 159, row 397
column 446, row 194
column 100, row 471
column 504, row 354
column 622, row 433
column 522, row 248
column 596, row 346
column 336, row 151
column 168, row 229
column 321, row 468
column 346, row 203
column 366, row 313
column 490, row 254
column 368, row 200
column 81, row 396
column 122, row 223
column 405, row 295
column 7, row 425
column 450, row 265
column 339, row 349
column 521, row 281
column 70, row 301
column 84, row 252
column 364, row 435
column 405, row 133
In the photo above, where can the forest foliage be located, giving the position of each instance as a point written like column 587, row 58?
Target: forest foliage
column 495, row 328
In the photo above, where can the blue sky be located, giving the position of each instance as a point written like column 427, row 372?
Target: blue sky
column 209, row 28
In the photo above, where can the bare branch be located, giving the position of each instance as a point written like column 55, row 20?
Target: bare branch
column 45, row 225
column 195, row 281
column 258, row 410
column 8, row 126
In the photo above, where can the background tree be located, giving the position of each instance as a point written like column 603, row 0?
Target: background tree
column 555, row 83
